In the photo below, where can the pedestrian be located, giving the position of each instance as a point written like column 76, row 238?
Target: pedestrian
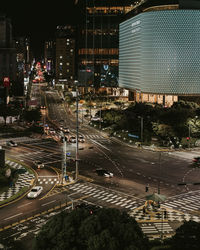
column 144, row 210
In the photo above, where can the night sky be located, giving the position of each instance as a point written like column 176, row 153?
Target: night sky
column 38, row 19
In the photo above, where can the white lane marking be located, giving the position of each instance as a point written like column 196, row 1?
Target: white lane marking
column 24, row 205
column 13, row 216
column 95, row 142
column 48, row 203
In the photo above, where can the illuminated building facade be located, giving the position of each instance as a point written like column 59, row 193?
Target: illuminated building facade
column 98, row 47
column 49, row 55
column 65, row 54
column 159, row 52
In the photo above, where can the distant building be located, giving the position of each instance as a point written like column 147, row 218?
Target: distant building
column 7, row 55
column 22, row 45
column 159, row 51
column 49, row 56
column 65, row 54
column 98, row 43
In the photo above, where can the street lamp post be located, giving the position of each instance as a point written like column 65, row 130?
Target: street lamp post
column 141, row 127
column 77, row 131
column 160, row 172
column 189, row 133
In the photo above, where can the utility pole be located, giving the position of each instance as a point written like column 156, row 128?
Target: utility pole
column 63, row 158
column 77, row 131
column 141, row 127
column 160, row 172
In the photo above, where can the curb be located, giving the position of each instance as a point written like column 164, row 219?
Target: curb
column 5, row 203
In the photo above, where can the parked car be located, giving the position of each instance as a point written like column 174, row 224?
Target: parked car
column 196, row 160
column 81, row 138
column 39, row 164
column 72, row 139
column 66, row 130
column 35, row 192
column 11, row 143
column 95, row 118
column 103, row 172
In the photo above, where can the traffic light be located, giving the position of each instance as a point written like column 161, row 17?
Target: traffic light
column 188, row 138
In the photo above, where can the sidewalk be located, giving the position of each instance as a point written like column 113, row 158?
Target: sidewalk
column 25, row 179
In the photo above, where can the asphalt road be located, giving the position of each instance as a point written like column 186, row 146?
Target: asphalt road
column 133, row 168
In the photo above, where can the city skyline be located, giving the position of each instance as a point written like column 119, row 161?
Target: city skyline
column 38, row 20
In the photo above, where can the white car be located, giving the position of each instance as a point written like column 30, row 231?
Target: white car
column 81, row 138
column 39, row 164
column 105, row 173
column 66, row 130
column 11, row 143
column 35, row 192
column 72, row 139
column 95, row 118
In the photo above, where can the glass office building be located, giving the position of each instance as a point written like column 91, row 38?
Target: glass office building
column 159, row 52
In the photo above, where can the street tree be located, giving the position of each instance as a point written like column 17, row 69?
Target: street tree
column 32, row 115
column 88, row 229
column 187, row 237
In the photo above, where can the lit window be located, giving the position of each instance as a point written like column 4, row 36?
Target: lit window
column 67, row 40
column 67, row 64
column 61, row 63
column 61, row 57
column 60, row 74
column 71, row 50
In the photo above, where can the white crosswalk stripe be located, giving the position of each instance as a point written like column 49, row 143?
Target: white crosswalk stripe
column 186, row 202
column 111, row 197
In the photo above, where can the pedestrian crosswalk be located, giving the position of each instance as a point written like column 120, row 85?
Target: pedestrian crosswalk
column 48, row 180
column 106, row 196
column 187, row 202
column 95, row 136
column 156, row 230
column 24, row 180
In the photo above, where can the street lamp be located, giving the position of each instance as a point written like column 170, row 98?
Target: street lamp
column 141, row 127
column 77, row 129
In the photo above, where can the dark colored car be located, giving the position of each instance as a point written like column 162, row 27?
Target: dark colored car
column 196, row 160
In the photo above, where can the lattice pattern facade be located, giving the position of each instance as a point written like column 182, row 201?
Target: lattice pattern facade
column 159, row 52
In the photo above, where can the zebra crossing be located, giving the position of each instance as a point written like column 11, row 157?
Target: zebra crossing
column 48, row 180
column 24, row 180
column 95, row 136
column 106, row 196
column 156, row 230
column 187, row 203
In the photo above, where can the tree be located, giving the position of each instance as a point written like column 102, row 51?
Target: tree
column 187, row 237
column 7, row 110
column 98, row 229
column 32, row 115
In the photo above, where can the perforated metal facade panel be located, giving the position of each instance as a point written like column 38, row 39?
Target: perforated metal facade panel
column 159, row 52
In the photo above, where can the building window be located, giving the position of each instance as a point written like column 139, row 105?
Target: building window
column 61, row 57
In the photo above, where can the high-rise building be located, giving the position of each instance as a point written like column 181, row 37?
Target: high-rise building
column 159, row 51
column 7, row 55
column 65, row 54
column 98, row 47
column 22, row 45
column 49, row 56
